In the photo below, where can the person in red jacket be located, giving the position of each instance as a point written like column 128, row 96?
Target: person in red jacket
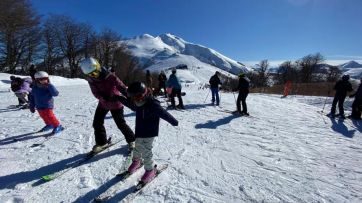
column 105, row 86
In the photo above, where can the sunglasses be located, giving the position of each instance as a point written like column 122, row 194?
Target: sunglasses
column 93, row 74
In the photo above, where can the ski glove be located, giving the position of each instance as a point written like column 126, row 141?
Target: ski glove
column 32, row 110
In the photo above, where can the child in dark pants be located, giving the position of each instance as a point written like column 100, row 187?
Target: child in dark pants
column 148, row 114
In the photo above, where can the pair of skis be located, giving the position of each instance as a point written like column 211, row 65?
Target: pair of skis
column 131, row 192
column 47, row 137
column 79, row 162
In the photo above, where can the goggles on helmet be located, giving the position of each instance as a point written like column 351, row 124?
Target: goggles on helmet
column 94, row 74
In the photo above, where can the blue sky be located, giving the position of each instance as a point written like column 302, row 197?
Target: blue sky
column 244, row 30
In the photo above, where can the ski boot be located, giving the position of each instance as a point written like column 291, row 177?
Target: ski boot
column 131, row 146
column 149, row 175
column 58, row 129
column 136, row 164
column 98, row 148
column 46, row 128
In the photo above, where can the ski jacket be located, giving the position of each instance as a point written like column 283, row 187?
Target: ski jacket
column 106, row 87
column 148, row 118
column 162, row 79
column 215, row 81
column 41, row 96
column 20, row 85
column 244, row 84
column 174, row 82
column 342, row 87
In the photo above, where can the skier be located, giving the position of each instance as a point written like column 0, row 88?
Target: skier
column 342, row 87
column 243, row 87
column 21, row 88
column 357, row 103
column 32, row 72
column 148, row 114
column 105, row 86
column 174, row 83
column 214, row 86
column 162, row 82
column 41, row 98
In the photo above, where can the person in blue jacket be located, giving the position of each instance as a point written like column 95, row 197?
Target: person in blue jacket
column 41, row 98
column 174, row 83
column 148, row 114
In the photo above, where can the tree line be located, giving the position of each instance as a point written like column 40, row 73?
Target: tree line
column 57, row 43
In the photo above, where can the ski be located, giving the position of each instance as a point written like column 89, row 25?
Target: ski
column 47, row 137
column 138, row 189
column 77, row 163
column 108, row 194
column 235, row 113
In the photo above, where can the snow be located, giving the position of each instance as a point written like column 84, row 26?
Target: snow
column 153, row 50
column 286, row 152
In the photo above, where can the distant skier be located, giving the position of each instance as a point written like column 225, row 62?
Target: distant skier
column 342, row 87
column 214, row 86
column 41, row 99
column 149, row 79
column 174, row 83
column 32, row 71
column 162, row 82
column 148, row 114
column 21, row 89
column 105, row 86
column 357, row 103
column 243, row 87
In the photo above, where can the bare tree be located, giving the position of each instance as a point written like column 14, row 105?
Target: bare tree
column 287, row 72
column 333, row 74
column 70, row 39
column 107, row 44
column 18, row 22
column 308, row 65
column 262, row 77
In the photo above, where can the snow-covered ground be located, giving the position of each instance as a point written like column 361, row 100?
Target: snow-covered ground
column 285, row 152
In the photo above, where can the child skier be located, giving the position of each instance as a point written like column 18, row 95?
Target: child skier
column 41, row 98
column 105, row 86
column 148, row 114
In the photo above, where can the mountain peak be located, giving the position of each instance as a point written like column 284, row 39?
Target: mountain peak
column 351, row 64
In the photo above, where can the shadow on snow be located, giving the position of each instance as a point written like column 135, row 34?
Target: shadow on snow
column 214, row 124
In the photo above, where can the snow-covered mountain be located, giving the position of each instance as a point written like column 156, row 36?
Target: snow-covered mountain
column 285, row 152
column 351, row 64
column 167, row 51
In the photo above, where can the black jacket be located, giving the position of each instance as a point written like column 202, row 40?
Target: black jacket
column 244, row 84
column 214, row 81
column 342, row 87
column 148, row 118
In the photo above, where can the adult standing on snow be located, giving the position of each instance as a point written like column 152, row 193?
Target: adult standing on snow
column 105, row 86
column 357, row 103
column 214, row 86
column 148, row 79
column 243, row 87
column 162, row 82
column 174, row 83
column 342, row 87
column 32, row 71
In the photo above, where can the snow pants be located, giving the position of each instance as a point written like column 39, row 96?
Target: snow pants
column 176, row 92
column 340, row 100
column 100, row 130
column 48, row 117
column 215, row 94
column 143, row 150
column 242, row 98
column 22, row 98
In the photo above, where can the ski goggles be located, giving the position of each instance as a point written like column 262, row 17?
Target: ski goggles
column 94, row 74
column 138, row 98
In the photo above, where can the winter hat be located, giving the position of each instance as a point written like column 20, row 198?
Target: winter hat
column 41, row 74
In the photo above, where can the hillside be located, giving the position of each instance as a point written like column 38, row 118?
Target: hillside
column 285, row 152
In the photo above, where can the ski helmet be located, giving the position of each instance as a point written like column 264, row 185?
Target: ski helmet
column 41, row 74
column 136, row 89
column 89, row 65
column 345, row 77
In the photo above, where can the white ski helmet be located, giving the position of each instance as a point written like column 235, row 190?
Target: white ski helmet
column 89, row 65
column 41, row 74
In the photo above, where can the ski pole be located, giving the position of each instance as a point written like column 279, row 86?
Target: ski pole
column 208, row 92
column 325, row 101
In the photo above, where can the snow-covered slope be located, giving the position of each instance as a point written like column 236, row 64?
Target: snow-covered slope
column 167, row 50
column 286, row 152
column 351, row 64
